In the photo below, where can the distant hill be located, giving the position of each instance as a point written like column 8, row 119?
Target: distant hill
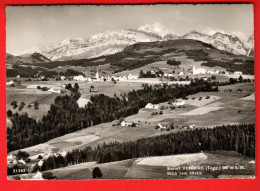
column 27, row 58
column 140, row 54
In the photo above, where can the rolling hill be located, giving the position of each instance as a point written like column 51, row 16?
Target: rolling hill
column 26, row 58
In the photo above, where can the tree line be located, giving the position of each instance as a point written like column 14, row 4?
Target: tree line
column 239, row 138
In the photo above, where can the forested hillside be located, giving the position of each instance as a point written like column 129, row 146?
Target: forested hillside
column 65, row 116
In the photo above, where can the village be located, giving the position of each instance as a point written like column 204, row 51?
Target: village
column 159, row 78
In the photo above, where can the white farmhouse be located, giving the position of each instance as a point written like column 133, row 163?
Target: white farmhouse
column 213, row 71
column 199, row 70
column 79, row 78
column 10, row 83
column 125, row 124
column 55, row 90
column 192, row 126
column 178, row 103
column 37, row 176
column 161, row 127
column 132, row 77
column 152, row 106
column 21, row 161
column 239, row 73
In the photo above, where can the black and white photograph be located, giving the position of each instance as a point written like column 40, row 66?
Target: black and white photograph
column 152, row 91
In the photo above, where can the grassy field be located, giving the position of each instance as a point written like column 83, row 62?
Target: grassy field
column 216, row 164
column 221, row 108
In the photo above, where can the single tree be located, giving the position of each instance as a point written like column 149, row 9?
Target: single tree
column 240, row 78
column 97, row 173
column 9, row 113
column 22, row 155
column 36, row 105
column 76, row 86
column 40, row 157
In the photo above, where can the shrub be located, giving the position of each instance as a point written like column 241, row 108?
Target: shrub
column 161, row 112
column 22, row 155
column 48, row 175
column 28, row 160
column 184, row 97
column 133, row 125
column 172, row 125
column 121, row 119
column 45, row 89
column 207, row 97
column 36, row 105
column 9, row 113
column 154, row 113
column 163, row 108
column 200, row 98
column 172, row 107
column 213, row 77
column 96, row 173
column 14, row 104
column 40, row 157
column 20, row 108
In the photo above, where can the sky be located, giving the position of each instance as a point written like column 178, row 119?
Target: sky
column 40, row 26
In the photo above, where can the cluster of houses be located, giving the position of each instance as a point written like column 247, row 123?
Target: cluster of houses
column 161, row 127
column 205, row 71
column 195, row 70
column 11, row 159
column 102, row 78
column 174, row 103
column 213, row 71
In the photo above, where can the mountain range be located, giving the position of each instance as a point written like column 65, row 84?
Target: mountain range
column 111, row 42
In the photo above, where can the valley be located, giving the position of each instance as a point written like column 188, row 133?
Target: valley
column 132, row 103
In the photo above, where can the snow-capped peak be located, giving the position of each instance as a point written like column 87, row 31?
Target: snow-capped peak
column 155, row 28
column 247, row 40
column 31, row 51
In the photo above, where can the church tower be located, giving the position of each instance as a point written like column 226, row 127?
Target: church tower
column 97, row 75
column 194, row 69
